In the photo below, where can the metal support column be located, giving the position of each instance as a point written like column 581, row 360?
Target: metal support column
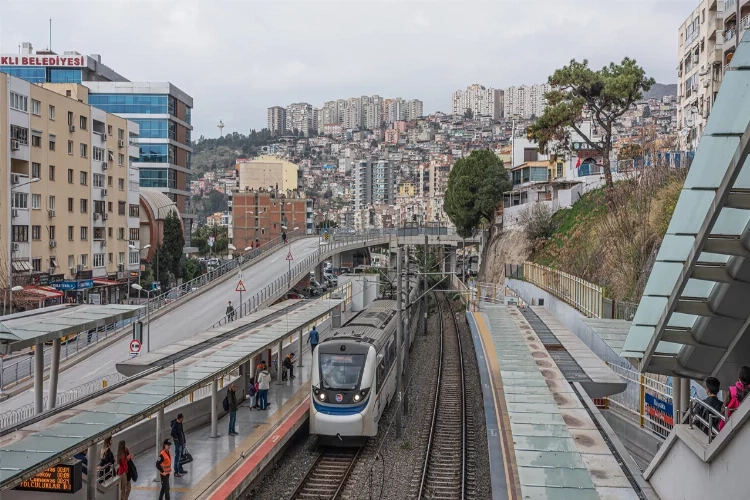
column 684, row 397
column 406, row 332
column 53, row 374
column 424, row 292
column 159, row 440
column 299, row 348
column 214, row 408
column 677, row 399
column 38, row 378
column 92, row 457
column 399, row 336
column 279, row 359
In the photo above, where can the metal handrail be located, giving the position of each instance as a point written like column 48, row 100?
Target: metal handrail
column 713, row 416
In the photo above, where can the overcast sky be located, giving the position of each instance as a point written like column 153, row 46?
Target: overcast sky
column 237, row 58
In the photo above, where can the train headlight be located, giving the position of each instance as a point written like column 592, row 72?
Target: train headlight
column 322, row 396
column 362, row 394
column 357, row 397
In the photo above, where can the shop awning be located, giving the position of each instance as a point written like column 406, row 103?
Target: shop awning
column 21, row 266
column 105, row 282
column 46, row 292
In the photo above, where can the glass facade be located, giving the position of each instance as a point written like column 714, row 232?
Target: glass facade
column 158, row 178
column 132, row 103
column 43, row 75
column 153, row 128
column 154, row 153
column 64, row 75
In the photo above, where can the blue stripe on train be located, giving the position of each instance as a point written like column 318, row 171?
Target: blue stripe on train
column 339, row 410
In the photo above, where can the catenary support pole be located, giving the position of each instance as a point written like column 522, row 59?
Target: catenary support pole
column 677, row 398
column 299, row 347
column 279, row 359
column 159, row 440
column 92, row 458
column 399, row 336
column 426, row 287
column 214, row 408
column 54, row 372
column 38, row 378
column 406, row 332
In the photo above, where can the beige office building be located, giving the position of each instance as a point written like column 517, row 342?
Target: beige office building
column 78, row 219
column 268, row 173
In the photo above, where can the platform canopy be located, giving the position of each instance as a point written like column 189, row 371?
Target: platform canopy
column 23, row 331
column 692, row 318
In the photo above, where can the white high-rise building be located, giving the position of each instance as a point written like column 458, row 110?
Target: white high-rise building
column 526, row 101
column 373, row 183
column 480, row 100
column 416, row 109
column 300, row 117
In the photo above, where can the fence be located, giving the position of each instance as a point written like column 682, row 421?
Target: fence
column 646, row 401
column 615, row 309
column 584, row 296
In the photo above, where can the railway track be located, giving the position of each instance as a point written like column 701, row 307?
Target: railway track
column 444, row 472
column 328, row 475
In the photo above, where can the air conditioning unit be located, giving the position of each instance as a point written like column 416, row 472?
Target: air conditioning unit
column 73, row 271
column 104, row 137
column 72, row 128
column 104, row 192
column 80, row 267
column 14, row 179
column 96, row 215
column 51, row 213
column 104, row 243
column 14, row 213
column 14, row 145
column 120, row 143
column 52, row 243
column 15, row 247
column 105, row 166
column 105, row 216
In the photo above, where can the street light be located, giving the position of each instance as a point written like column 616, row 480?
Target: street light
column 10, row 215
column 139, row 270
column 148, row 316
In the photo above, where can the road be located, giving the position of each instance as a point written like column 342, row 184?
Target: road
column 194, row 316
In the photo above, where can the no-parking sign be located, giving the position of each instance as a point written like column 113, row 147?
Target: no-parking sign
column 135, row 347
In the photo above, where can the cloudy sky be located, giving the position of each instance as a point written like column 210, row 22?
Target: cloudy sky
column 237, row 58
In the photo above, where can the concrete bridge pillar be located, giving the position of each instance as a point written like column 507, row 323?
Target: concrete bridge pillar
column 319, row 273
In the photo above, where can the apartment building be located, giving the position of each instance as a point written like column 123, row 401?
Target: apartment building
column 479, row 100
column 734, row 22
column 268, row 173
column 72, row 185
column 700, row 52
column 373, row 183
column 262, row 216
column 299, row 118
column 277, row 120
column 526, row 101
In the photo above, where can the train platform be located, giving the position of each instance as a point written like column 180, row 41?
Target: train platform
column 223, row 467
column 543, row 440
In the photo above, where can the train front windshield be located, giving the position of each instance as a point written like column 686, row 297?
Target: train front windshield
column 341, row 372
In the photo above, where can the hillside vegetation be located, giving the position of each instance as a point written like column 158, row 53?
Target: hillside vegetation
column 614, row 247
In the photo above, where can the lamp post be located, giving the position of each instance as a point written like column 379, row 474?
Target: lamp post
column 148, row 316
column 133, row 247
column 10, row 225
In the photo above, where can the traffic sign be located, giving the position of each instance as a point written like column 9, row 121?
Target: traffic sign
column 135, row 347
column 289, row 256
column 240, row 287
column 239, row 275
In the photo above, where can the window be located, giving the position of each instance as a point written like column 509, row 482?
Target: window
column 70, row 233
column 109, row 207
column 84, row 205
column 20, row 134
column 51, row 202
column 109, row 231
column 20, row 200
column 135, row 234
column 98, row 207
column 84, row 150
column 121, row 184
column 109, row 130
column 98, row 260
column 120, row 159
column 36, row 201
column 135, row 210
column 84, row 259
column 109, row 181
column 132, row 103
column 36, row 107
column 98, row 233
column 35, row 169
column 51, row 143
column 121, row 233
column 120, row 134
column 97, row 153
column 68, row 93
column 84, row 178
column 52, row 232
column 134, row 257
column 70, row 148
column 70, row 118
column 109, row 257
column 20, row 234
column 70, row 176
column 121, row 257
column 98, row 180
column 36, row 141
column 36, row 232
column 52, row 172
column 19, row 102
column 71, row 261
column 70, row 204
column 36, row 264
column 121, row 210
column 188, row 159
column 84, row 232
column 51, row 112
column 83, row 123
column 110, row 155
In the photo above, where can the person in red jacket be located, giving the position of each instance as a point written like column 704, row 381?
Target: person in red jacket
column 123, row 455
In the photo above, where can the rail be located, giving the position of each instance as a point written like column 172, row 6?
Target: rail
column 706, row 417
column 584, row 296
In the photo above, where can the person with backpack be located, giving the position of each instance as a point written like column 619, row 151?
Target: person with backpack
column 737, row 393
column 124, row 459
column 251, row 392
column 264, row 384
column 233, row 405
column 164, row 466
column 177, row 432
column 313, row 338
column 713, row 386
column 230, row 312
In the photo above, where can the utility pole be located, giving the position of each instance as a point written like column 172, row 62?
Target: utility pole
column 424, row 280
column 408, row 335
column 399, row 336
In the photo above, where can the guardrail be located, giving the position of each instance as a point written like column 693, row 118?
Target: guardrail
column 584, row 296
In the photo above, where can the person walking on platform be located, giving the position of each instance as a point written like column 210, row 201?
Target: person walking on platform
column 164, row 466
column 264, row 384
column 313, row 338
column 177, row 433
column 123, row 457
column 233, row 405
column 230, row 311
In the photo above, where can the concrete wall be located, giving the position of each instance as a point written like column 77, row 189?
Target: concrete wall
column 642, row 444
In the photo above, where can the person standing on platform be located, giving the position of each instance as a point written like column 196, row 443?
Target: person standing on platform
column 264, row 384
column 177, row 433
column 164, row 466
column 313, row 338
column 288, row 364
column 233, row 405
column 123, row 456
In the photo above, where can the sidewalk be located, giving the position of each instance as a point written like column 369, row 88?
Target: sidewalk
column 212, row 457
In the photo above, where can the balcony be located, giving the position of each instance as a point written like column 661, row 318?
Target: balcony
column 729, row 6
column 729, row 35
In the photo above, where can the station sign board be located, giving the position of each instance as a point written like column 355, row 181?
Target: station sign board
column 659, row 409
column 62, row 478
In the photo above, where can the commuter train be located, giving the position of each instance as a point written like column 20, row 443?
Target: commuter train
column 354, row 375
